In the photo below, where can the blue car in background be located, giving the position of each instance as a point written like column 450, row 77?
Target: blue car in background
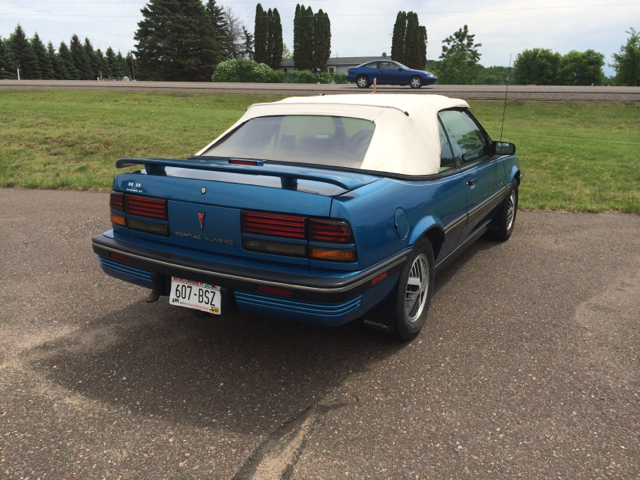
column 321, row 210
column 388, row 72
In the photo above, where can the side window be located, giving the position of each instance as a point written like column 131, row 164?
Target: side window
column 465, row 135
column 371, row 65
column 388, row 66
column 447, row 160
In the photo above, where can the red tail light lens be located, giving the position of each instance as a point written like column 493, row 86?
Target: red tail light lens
column 116, row 202
column 348, row 70
column 274, row 225
column 145, row 206
column 329, row 231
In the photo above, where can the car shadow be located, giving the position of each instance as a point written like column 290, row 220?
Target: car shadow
column 245, row 372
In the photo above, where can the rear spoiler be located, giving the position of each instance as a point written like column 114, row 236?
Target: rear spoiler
column 289, row 174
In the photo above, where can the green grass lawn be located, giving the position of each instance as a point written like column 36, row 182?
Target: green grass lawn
column 575, row 155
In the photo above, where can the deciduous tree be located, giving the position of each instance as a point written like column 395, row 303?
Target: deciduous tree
column 582, row 68
column 459, row 58
column 539, row 66
column 627, row 61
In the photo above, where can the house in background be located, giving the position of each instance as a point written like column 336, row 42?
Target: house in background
column 335, row 64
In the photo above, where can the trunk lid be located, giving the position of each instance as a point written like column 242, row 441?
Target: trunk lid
column 205, row 200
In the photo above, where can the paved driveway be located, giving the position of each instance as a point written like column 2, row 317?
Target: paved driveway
column 529, row 366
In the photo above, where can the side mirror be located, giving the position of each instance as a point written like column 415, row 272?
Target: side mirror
column 399, row 69
column 504, row 148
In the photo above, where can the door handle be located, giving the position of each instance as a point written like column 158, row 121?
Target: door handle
column 472, row 182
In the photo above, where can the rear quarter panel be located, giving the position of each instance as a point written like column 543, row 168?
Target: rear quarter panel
column 370, row 210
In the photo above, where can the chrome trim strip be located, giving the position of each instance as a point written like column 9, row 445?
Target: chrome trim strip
column 489, row 200
column 254, row 280
column 462, row 218
column 469, row 240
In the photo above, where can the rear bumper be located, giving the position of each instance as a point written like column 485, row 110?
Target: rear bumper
column 314, row 299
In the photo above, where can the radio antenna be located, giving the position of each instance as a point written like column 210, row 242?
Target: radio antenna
column 506, row 92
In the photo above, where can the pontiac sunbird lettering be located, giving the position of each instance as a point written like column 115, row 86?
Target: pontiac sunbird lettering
column 322, row 210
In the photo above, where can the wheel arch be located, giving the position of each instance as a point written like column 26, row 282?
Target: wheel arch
column 428, row 228
column 515, row 174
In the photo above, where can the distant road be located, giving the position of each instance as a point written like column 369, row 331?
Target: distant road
column 468, row 92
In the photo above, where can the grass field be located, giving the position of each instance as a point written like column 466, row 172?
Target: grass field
column 580, row 156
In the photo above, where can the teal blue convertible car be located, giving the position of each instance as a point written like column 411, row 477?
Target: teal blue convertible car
column 322, row 210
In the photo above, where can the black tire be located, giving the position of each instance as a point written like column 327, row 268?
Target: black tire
column 410, row 317
column 415, row 82
column 506, row 217
column 362, row 81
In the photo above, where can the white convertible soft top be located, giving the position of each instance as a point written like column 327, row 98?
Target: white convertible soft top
column 406, row 138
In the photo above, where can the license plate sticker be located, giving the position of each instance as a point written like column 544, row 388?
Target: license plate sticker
column 196, row 295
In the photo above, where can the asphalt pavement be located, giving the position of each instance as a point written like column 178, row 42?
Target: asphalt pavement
column 528, row 366
column 466, row 92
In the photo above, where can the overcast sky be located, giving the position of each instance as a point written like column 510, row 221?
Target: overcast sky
column 363, row 28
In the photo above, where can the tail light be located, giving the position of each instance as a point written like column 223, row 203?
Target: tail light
column 154, row 208
column 323, row 230
column 274, row 225
column 329, row 231
column 348, row 70
column 116, row 201
column 145, row 206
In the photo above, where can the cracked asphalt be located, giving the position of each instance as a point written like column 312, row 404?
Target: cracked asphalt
column 528, row 366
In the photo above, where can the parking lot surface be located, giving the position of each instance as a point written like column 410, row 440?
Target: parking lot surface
column 528, row 366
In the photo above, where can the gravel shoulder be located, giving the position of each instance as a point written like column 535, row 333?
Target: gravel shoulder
column 529, row 366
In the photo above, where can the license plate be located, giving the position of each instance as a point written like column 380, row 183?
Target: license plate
column 196, row 295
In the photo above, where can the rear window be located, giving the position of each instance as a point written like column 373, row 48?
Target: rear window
column 324, row 140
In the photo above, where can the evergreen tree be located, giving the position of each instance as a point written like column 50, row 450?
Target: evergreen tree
column 131, row 66
column 46, row 70
column 261, row 35
column 221, row 29
column 93, row 59
column 275, row 40
column 422, row 56
column 399, row 34
column 57, row 66
column 24, row 57
column 111, row 66
column 248, row 49
column 80, row 59
column 66, row 61
column 321, row 40
column 101, row 63
column 7, row 65
column 176, row 42
column 303, row 38
column 297, row 37
column 123, row 68
column 269, row 47
column 412, row 42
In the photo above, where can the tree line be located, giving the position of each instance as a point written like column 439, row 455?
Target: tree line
column 76, row 61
